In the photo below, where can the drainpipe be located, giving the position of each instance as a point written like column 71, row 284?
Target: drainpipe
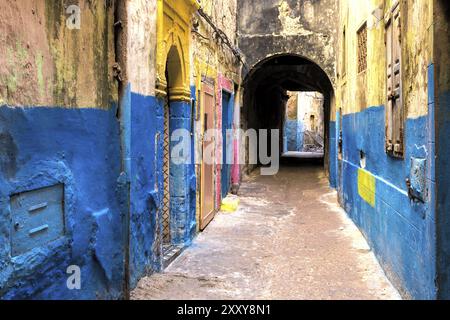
column 124, row 117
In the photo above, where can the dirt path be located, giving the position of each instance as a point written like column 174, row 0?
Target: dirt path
column 288, row 240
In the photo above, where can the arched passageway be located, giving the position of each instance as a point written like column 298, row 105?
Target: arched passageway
column 265, row 93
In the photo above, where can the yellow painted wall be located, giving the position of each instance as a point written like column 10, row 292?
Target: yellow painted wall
column 209, row 56
column 416, row 53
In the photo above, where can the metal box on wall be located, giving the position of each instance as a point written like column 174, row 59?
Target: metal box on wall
column 37, row 218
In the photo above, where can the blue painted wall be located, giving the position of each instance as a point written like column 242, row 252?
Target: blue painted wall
column 81, row 149
column 147, row 184
column 183, row 181
column 145, row 151
column 442, row 185
column 333, row 174
column 293, row 131
column 409, row 238
column 401, row 232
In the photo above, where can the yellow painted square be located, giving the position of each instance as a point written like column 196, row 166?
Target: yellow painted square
column 366, row 186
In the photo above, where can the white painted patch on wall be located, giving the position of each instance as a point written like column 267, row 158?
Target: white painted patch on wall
column 308, row 10
column 142, row 46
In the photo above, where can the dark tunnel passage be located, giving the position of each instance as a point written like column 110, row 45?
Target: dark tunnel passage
column 266, row 89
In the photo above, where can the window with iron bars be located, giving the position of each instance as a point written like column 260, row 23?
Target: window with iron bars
column 362, row 48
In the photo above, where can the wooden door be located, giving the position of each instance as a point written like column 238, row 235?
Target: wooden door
column 207, row 171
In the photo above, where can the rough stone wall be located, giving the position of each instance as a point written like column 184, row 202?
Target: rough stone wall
column 307, row 28
column 44, row 63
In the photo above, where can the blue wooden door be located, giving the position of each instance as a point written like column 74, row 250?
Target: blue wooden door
column 227, row 122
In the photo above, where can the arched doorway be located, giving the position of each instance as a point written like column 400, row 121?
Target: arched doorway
column 172, row 175
column 265, row 97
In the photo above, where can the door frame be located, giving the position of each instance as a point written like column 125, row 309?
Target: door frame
column 208, row 88
column 230, row 106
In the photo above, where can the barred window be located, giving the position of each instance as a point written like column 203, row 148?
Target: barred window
column 362, row 48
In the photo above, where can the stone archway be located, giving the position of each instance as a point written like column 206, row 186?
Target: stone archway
column 265, row 88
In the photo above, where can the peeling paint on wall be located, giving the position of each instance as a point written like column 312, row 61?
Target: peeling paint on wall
column 142, row 47
column 291, row 24
column 51, row 64
column 306, row 28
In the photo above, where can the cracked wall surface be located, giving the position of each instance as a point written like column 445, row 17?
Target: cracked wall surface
column 44, row 63
column 306, row 28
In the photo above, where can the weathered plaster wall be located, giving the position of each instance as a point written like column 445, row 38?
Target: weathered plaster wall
column 311, row 104
column 417, row 48
column 44, row 63
column 293, row 127
column 154, row 28
column 141, row 122
column 439, row 106
column 307, row 28
column 141, row 46
column 108, row 160
column 58, row 125
column 214, row 60
column 275, row 32
column 372, row 184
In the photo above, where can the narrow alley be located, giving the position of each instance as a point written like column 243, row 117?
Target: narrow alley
column 224, row 149
column 289, row 239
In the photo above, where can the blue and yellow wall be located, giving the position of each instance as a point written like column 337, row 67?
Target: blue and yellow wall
column 81, row 127
column 164, row 25
column 371, row 183
column 214, row 63
column 85, row 113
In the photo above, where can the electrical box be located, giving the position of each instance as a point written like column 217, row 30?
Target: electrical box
column 37, row 218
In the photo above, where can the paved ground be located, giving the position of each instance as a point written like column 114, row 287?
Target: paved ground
column 288, row 240
column 303, row 155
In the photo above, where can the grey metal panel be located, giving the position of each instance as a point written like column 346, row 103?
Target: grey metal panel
column 37, row 218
